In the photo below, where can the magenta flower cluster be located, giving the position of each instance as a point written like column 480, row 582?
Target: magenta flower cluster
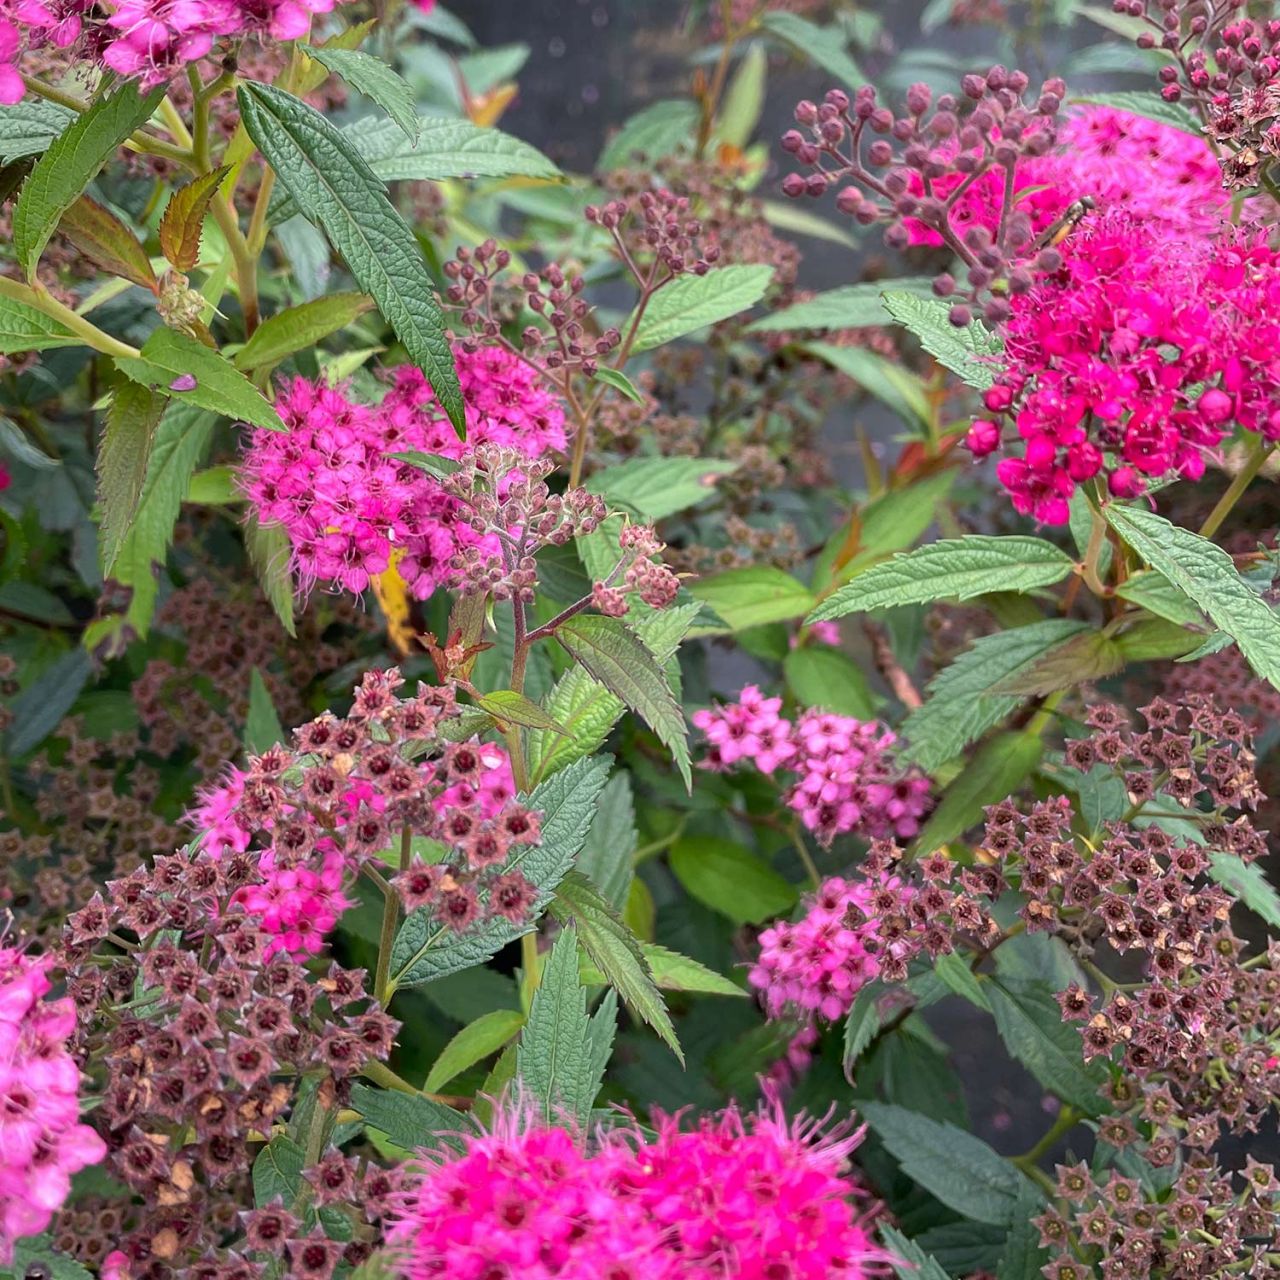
column 349, row 506
column 752, row 1197
column 42, row 1142
column 847, row 776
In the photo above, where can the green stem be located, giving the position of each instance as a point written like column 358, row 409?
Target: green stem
column 382, row 985
column 1092, row 553
column 531, row 967
column 1258, row 455
column 802, row 851
column 1067, row 1119
column 246, row 265
column 39, row 298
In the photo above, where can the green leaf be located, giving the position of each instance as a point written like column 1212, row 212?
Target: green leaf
column 434, row 464
column 1155, row 593
column 619, row 381
column 507, row 706
column 862, row 1024
column 743, row 101
column 213, row 486
column 182, row 225
column 262, row 727
column 675, row 972
column 615, row 656
column 411, row 1121
column 1249, row 883
column 1150, row 105
column 169, row 356
column 820, row 45
column 37, row 711
column 822, row 676
column 553, row 1058
column 615, row 951
column 955, row 569
column 36, row 1256
column 1092, row 655
column 269, row 552
column 425, row 950
column 657, row 131
column 107, row 242
column 373, row 78
column 959, row 1169
column 788, row 216
column 965, row 351
column 299, row 329
column 895, row 387
column 23, row 328
column 122, row 460
column 29, row 126
column 997, row 771
column 71, row 163
column 960, row 979
column 1206, row 575
column 606, row 858
column 852, row 306
column 1022, row 1257
column 586, row 709
column 1032, row 1027
column 475, row 1042
column 731, row 880
column 335, row 187
column 690, row 303
column 751, row 597
column 277, row 1172
column 654, row 488
column 962, row 703
column 915, row 1263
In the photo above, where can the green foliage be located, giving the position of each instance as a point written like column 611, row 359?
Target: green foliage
column 730, row 879
column 373, row 78
column 966, row 351
column 692, row 302
column 298, row 329
column 654, row 488
column 852, row 306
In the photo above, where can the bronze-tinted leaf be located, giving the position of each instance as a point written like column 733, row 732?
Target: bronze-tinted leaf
column 107, row 242
column 183, row 219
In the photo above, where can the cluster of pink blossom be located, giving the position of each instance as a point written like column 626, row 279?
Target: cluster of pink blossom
column 42, row 1142
column 298, row 905
column 750, row 1197
column 150, row 39
column 848, row 779
column 348, row 506
column 817, row 965
column 1131, row 360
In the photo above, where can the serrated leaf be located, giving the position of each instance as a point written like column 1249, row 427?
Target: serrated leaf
column 960, row 979
column 1022, row 1257
column 183, row 220
column 1155, row 593
column 262, row 728
column 373, row 78
column 334, row 186
column 657, row 131
column 1207, row 575
column 613, row 654
column 606, row 857
column 425, row 950
column 821, row 676
column 122, row 458
column 959, row 1169
column 915, row 1264
column 954, row 569
column 269, row 552
column 410, row 1120
column 299, row 329
column 35, row 1256
column 966, row 351
column 277, row 1172
column 1092, row 655
column 170, row 357
column 39, row 708
column 1031, row 1024
column 586, row 709
column 962, row 704
column 1149, row 105
column 691, row 302
column 553, row 1057
column 23, row 328
column 619, row 381
column 675, row 972
column 71, row 163
column 862, row 1024
column 615, row 951
column 475, row 1042
column 654, row 488
column 852, row 306
column 508, row 706
column 820, row 45
column 28, row 127
column 730, row 879
column 107, row 242
column 752, row 597
column 1248, row 882
column 896, row 388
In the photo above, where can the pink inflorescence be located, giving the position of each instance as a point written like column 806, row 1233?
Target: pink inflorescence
column 150, row 39
column 847, row 777
column 348, row 506
column 298, row 905
column 42, row 1142
column 1131, row 360
column 817, row 965
column 747, row 1197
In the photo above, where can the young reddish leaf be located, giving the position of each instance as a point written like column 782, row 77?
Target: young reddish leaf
column 183, row 219
column 107, row 242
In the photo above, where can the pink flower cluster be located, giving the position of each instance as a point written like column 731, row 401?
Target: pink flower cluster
column 42, row 1142
column 754, row 1197
column 817, row 965
column 847, row 778
column 151, row 39
column 1131, row 360
column 298, row 905
column 347, row 505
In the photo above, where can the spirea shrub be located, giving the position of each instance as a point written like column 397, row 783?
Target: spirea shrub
column 698, row 709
